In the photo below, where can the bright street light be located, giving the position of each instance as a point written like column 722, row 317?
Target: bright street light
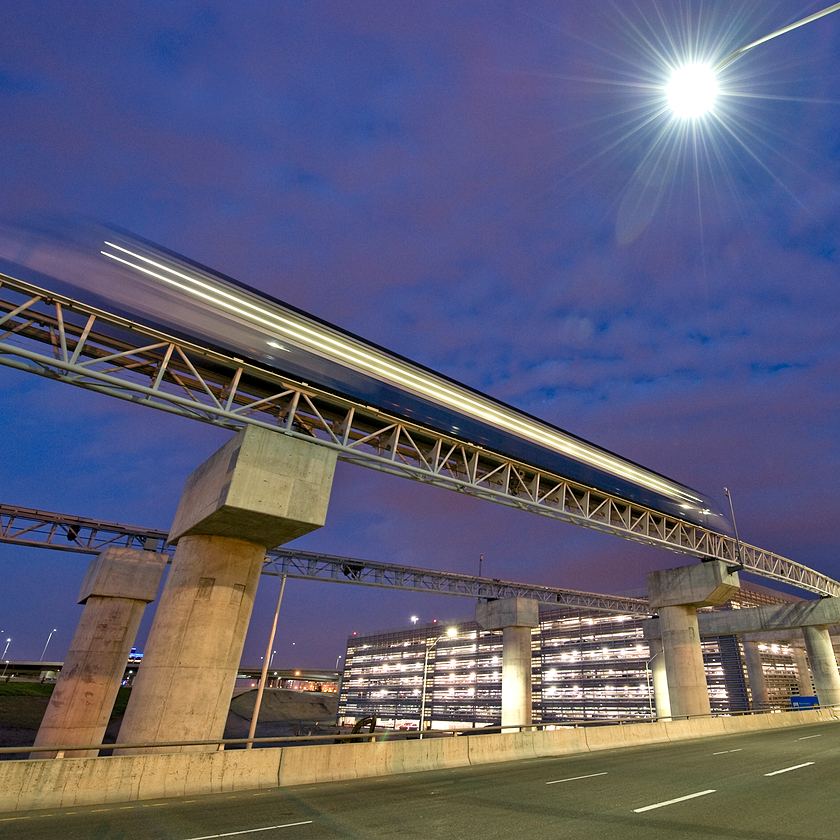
column 414, row 619
column 692, row 90
column 44, row 651
column 6, row 649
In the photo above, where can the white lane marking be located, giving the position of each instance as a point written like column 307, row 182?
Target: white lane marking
column 249, row 830
column 726, row 752
column 788, row 769
column 673, row 801
column 575, row 778
column 806, row 737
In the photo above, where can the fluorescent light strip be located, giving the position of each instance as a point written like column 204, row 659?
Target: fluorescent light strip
column 382, row 366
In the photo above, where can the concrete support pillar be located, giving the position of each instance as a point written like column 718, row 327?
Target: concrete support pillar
column 687, row 688
column 259, row 490
column 676, row 594
column 118, row 585
column 514, row 617
column 661, row 697
column 516, row 676
column 823, row 664
column 803, row 675
column 755, row 675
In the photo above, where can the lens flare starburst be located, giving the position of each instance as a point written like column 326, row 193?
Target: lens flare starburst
column 692, row 90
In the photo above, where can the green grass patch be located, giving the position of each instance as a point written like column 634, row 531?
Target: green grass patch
column 25, row 689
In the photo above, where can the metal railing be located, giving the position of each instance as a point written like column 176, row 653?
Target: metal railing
column 84, row 535
column 338, row 738
column 54, row 336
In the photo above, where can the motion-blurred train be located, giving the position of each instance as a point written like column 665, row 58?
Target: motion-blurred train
column 141, row 281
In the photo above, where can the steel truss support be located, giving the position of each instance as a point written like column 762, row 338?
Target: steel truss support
column 62, row 532
column 59, row 338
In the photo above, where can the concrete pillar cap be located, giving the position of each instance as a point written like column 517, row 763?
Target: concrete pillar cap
column 702, row 585
column 261, row 486
column 507, row 612
column 123, row 573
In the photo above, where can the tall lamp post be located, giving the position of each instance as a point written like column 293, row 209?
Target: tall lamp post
column 450, row 633
column 44, row 651
column 647, row 677
column 269, row 655
column 735, row 526
column 6, row 649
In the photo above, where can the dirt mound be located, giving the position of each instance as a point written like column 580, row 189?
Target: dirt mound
column 282, row 705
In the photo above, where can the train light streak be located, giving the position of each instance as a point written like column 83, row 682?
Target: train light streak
column 333, row 345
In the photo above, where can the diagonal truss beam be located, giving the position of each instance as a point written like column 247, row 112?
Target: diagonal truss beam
column 56, row 337
column 82, row 535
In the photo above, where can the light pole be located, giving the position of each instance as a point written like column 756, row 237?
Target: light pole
column 269, row 655
column 337, row 660
column 6, row 649
column 647, row 678
column 735, row 526
column 44, row 651
column 451, row 632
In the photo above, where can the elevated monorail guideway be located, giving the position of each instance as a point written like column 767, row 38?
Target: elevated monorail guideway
column 83, row 535
column 210, row 349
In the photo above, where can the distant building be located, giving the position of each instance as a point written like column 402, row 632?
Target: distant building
column 586, row 665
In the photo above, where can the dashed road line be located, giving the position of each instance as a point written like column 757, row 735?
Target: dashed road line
column 806, row 737
column 673, row 801
column 726, row 752
column 249, row 830
column 788, row 769
column 575, row 778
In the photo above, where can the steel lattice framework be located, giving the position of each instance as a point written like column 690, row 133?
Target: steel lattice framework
column 83, row 535
column 54, row 336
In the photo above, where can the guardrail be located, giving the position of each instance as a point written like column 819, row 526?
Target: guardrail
column 337, row 738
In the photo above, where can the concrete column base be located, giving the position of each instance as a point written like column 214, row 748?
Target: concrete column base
column 687, row 688
column 661, row 697
column 755, row 675
column 516, row 676
column 823, row 665
column 118, row 585
column 183, row 688
column 803, row 674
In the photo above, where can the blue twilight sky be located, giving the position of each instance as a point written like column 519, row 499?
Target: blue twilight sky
column 487, row 187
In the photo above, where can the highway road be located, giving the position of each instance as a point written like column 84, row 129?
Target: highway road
column 764, row 786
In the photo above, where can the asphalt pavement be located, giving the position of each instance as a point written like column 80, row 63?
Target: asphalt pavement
column 782, row 785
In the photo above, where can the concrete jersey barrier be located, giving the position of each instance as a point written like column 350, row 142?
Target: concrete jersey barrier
column 56, row 783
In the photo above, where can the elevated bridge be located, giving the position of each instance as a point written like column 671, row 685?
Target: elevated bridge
column 60, row 338
column 83, row 535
